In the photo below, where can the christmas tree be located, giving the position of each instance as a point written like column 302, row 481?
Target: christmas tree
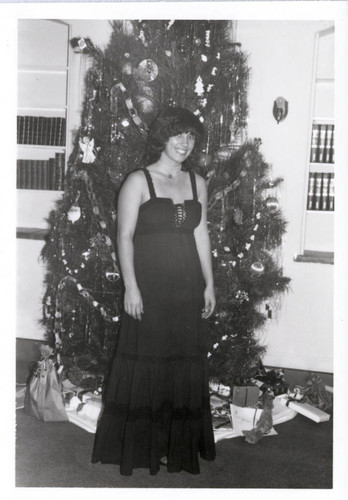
column 149, row 65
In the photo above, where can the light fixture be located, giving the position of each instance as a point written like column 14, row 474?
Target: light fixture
column 280, row 109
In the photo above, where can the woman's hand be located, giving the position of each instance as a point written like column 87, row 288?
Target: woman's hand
column 133, row 303
column 209, row 302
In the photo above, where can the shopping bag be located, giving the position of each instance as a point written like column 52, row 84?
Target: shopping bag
column 244, row 418
column 43, row 396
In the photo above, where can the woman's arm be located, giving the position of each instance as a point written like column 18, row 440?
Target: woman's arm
column 204, row 251
column 129, row 201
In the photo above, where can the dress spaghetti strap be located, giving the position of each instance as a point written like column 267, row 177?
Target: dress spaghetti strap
column 194, row 185
column 149, row 183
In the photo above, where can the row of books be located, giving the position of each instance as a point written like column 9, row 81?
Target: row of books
column 321, row 191
column 41, row 130
column 322, row 143
column 41, row 174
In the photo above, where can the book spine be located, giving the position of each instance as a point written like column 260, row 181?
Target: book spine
column 18, row 174
column 23, row 175
column 33, row 174
column 18, row 129
column 318, row 185
column 325, row 192
column 60, row 131
column 54, row 130
column 60, row 171
column 331, row 199
column 314, row 143
column 51, row 173
column 28, row 174
column 310, row 198
column 45, row 174
column 321, row 144
column 326, row 145
column 332, row 145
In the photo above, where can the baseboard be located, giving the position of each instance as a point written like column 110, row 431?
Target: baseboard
column 28, row 352
column 299, row 377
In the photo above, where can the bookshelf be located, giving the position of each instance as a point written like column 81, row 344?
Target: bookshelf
column 43, row 70
column 318, row 226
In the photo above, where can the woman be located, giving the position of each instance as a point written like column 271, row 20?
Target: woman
column 156, row 400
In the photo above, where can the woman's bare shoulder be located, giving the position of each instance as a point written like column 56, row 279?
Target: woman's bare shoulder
column 201, row 186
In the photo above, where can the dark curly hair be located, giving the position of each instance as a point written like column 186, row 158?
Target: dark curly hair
column 170, row 122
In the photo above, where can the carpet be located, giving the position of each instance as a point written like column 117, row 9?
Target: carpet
column 58, row 455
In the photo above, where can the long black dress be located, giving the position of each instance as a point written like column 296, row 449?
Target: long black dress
column 156, row 399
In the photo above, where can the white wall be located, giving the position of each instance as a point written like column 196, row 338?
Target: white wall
column 281, row 59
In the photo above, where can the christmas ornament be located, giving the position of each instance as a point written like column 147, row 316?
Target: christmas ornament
column 197, row 41
column 257, row 267
column 127, row 68
column 74, row 213
column 199, row 87
column 112, row 276
column 204, row 58
column 238, row 216
column 146, row 105
column 87, row 146
column 147, row 70
column 224, row 152
column 204, row 160
column 127, row 27
column 272, row 203
column 113, row 99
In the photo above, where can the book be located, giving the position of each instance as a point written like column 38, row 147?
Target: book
column 321, row 143
column 51, row 173
column 314, row 142
column 317, row 191
column 331, row 197
column 332, row 147
column 325, row 192
column 33, row 168
column 60, row 171
column 310, row 197
column 45, row 175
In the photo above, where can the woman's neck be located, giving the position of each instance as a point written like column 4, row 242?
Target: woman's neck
column 168, row 167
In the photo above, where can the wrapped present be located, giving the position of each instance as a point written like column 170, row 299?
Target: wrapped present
column 245, row 396
column 85, row 415
column 43, row 396
column 305, row 409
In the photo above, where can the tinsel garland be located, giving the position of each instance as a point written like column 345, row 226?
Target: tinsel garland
column 95, row 208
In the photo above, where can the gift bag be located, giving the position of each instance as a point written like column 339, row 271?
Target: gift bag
column 244, row 419
column 43, row 396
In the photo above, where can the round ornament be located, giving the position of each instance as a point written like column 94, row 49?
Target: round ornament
column 197, row 41
column 147, row 70
column 74, row 213
column 272, row 203
column 112, row 276
column 257, row 267
column 224, row 152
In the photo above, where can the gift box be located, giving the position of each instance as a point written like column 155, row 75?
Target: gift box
column 245, row 396
column 85, row 415
column 305, row 409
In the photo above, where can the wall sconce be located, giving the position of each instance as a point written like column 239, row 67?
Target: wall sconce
column 280, row 109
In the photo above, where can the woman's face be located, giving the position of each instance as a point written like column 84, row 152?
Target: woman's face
column 179, row 147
